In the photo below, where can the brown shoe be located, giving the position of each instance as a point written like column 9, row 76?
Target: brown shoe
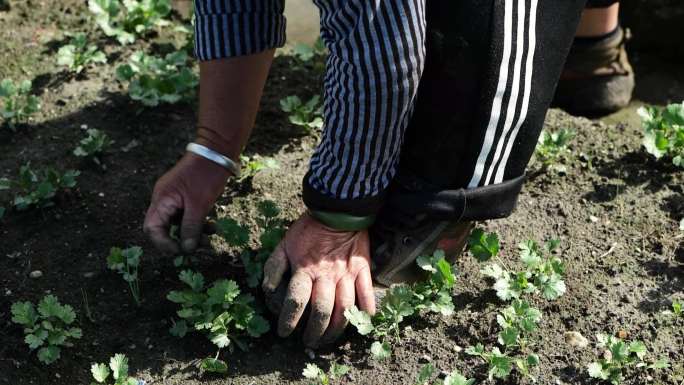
column 597, row 78
column 394, row 250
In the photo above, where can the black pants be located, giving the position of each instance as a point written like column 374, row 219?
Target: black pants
column 490, row 73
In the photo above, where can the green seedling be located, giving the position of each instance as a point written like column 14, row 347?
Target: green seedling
column 38, row 188
column 500, row 364
column 48, row 329
column 78, row 54
column 552, row 148
column 153, row 80
column 664, row 131
column 126, row 263
column 17, row 102
column 236, row 235
column 427, row 371
column 308, row 115
column 253, row 165
column 618, row 356
column 677, row 309
column 543, row 275
column 402, row 301
column 306, row 53
column 93, row 146
column 128, row 19
column 224, row 314
column 319, row 377
column 118, row 369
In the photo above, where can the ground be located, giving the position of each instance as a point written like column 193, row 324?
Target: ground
column 616, row 212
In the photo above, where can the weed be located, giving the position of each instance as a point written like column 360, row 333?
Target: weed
column 402, row 301
column 17, row 102
column 272, row 231
column 119, row 371
column 308, row 115
column 541, row 275
column 313, row 372
column 677, row 309
column 125, row 20
column 552, row 147
column 48, row 329
column 427, row 371
column 78, row 54
column 619, row 355
column 664, row 131
column 153, row 80
column 93, row 145
column 126, row 263
column 38, row 188
column 221, row 311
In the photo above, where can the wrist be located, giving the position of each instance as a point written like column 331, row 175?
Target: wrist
column 212, row 139
column 199, row 162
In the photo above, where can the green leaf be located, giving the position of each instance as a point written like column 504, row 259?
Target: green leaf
column 24, row 313
column 456, row 378
column 100, row 372
column 257, row 326
column 222, row 291
column 532, row 360
column 638, row 348
column 179, row 328
column 338, row 370
column 49, row 306
column 36, row 340
column 193, row 279
column 49, row 354
column 483, row 246
column 360, row 319
column 220, row 339
column 530, row 254
column 508, row 336
column 233, row 233
column 119, row 366
column 662, row 363
column 425, row 373
column 214, row 365
column 500, row 365
column 380, row 350
column 312, row 372
column 596, row 370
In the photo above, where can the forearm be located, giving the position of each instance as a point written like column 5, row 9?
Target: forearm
column 230, row 91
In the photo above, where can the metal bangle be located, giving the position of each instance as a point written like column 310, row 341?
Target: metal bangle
column 215, row 157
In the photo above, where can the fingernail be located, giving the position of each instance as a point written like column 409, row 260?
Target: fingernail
column 190, row 244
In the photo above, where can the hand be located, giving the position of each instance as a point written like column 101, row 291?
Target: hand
column 189, row 190
column 330, row 269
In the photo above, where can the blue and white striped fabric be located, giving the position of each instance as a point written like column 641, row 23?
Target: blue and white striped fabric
column 377, row 53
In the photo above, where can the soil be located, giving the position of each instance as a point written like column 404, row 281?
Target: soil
column 616, row 211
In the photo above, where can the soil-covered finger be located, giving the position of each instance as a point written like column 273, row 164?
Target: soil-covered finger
column 322, row 305
column 298, row 294
column 344, row 299
column 274, row 269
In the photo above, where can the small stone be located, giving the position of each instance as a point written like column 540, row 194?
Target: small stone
column 101, row 195
column 88, row 274
column 622, row 334
column 457, row 348
column 58, row 375
column 424, row 359
column 310, row 353
column 593, row 218
column 36, row 274
column 576, row 339
column 132, row 347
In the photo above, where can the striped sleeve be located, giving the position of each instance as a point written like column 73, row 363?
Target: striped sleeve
column 228, row 28
column 377, row 54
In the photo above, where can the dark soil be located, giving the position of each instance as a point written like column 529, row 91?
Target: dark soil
column 616, row 212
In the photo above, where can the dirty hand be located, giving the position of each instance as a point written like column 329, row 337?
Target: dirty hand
column 187, row 191
column 330, row 269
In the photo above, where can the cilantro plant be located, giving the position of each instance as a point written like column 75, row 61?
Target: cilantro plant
column 78, row 54
column 93, row 145
column 48, row 329
column 118, row 369
column 427, row 372
column 319, row 377
column 619, row 356
column 17, row 102
column 38, row 188
column 126, row 263
column 402, row 301
column 308, row 115
column 664, row 131
column 272, row 231
column 676, row 308
column 306, row 53
column 542, row 275
column 552, row 148
column 252, row 165
column 153, row 80
column 221, row 311
column 125, row 20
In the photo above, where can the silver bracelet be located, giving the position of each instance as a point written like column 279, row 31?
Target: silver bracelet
column 215, row 157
